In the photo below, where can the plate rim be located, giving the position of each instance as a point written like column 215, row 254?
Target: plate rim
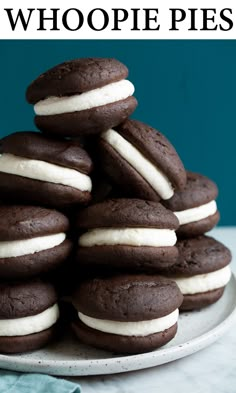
column 70, row 367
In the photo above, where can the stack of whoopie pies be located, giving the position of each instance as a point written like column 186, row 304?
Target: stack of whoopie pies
column 127, row 239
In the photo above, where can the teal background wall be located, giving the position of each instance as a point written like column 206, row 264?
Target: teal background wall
column 186, row 89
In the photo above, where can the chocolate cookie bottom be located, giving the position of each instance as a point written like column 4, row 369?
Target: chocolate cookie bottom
column 24, row 190
column 90, row 121
column 198, row 227
column 122, row 344
column 31, row 342
column 126, row 257
column 33, row 264
column 200, row 300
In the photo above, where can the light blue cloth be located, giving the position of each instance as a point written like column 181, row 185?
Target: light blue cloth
column 11, row 382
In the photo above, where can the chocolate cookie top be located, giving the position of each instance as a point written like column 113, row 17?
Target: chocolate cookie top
column 199, row 190
column 57, row 151
column 200, row 255
column 24, row 222
column 127, row 297
column 155, row 147
column 122, row 213
column 75, row 77
column 22, row 299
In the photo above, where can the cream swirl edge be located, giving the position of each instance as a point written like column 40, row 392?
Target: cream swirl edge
column 138, row 237
column 44, row 171
column 140, row 328
column 91, row 99
column 196, row 213
column 203, row 282
column 31, row 324
column 18, row 248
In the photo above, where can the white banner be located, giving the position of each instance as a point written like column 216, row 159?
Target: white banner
column 123, row 19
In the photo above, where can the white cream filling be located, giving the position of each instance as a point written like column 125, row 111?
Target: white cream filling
column 101, row 96
column 150, row 237
column 29, row 325
column 196, row 213
column 18, row 248
column 154, row 176
column 44, row 171
column 141, row 328
column 203, row 282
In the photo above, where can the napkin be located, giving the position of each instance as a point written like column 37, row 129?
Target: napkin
column 11, row 382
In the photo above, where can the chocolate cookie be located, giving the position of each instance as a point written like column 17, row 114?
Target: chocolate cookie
column 127, row 234
column 202, row 271
column 42, row 170
column 127, row 313
column 32, row 241
column 82, row 96
column 28, row 315
column 141, row 161
column 195, row 206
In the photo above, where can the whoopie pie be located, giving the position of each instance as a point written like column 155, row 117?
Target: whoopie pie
column 33, row 241
column 28, row 315
column 43, row 170
column 82, row 96
column 127, row 313
column 141, row 161
column 195, row 206
column 127, row 234
column 202, row 271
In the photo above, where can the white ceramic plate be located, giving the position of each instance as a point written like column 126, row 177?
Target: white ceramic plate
column 70, row 358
